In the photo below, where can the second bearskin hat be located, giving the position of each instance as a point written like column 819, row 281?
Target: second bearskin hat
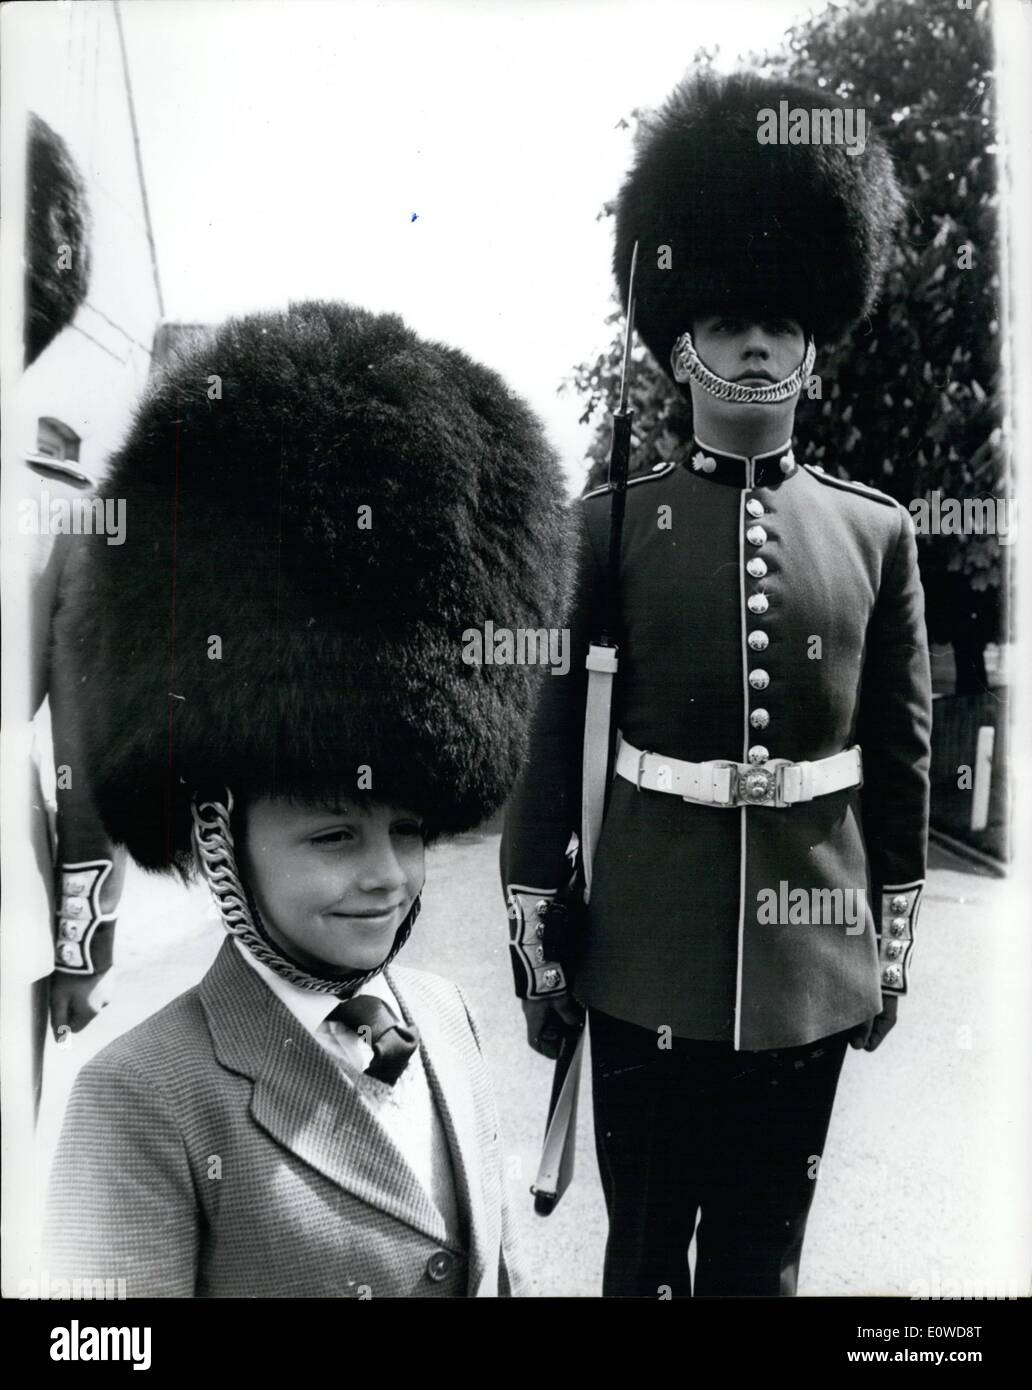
column 801, row 231
column 318, row 505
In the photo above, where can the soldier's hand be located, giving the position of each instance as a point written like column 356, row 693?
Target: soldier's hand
column 869, row 1035
column 548, row 1019
column 77, row 999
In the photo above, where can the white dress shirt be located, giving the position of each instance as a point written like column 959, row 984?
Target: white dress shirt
column 405, row 1110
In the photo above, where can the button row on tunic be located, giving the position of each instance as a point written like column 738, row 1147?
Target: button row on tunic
column 757, row 640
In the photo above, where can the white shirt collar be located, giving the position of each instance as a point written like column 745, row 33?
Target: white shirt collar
column 309, row 1007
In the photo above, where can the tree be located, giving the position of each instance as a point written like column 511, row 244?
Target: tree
column 912, row 401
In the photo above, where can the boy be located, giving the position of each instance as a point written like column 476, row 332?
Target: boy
column 276, row 695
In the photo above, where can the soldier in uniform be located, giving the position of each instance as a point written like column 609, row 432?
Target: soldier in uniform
column 762, row 857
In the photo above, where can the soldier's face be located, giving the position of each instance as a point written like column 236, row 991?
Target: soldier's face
column 753, row 353
column 333, row 884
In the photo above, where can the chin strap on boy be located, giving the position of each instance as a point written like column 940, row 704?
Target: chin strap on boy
column 215, row 855
column 393, row 1042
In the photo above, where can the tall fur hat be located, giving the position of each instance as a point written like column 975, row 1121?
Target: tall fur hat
column 800, row 231
column 318, row 504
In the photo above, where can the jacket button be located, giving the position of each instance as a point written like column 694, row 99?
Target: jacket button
column 756, row 535
column 757, row 603
column 440, row 1265
column 758, row 641
column 759, row 680
column 758, row 754
column 899, row 903
column 754, row 506
column 759, row 718
column 898, row 926
column 756, row 567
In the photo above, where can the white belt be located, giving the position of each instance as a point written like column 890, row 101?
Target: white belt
column 777, row 782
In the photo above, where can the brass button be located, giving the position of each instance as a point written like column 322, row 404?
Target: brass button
column 71, row 931
column 899, row 903
column 68, row 954
column 898, row 926
column 756, row 535
column 757, row 603
column 758, row 754
column 756, row 567
column 759, row 680
column 539, row 930
column 893, row 949
column 754, row 506
column 550, row 979
column 759, row 718
column 440, row 1265
column 758, row 641
column 893, row 977
column 74, row 887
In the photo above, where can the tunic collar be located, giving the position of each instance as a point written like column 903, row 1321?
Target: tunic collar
column 761, row 470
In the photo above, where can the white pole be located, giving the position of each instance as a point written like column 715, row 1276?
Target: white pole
column 983, row 777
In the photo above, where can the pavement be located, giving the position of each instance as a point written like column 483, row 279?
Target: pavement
column 923, row 1190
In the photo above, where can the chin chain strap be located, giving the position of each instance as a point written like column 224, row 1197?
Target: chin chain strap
column 687, row 363
column 216, row 858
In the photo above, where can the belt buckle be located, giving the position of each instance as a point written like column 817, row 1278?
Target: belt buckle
column 762, row 785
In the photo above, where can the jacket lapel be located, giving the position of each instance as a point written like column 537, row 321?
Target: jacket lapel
column 447, row 1072
column 301, row 1100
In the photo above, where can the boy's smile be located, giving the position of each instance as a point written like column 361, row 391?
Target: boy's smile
column 333, row 885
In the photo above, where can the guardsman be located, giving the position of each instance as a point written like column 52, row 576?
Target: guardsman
column 760, row 866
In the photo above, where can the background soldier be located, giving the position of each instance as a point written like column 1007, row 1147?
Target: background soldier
column 772, row 627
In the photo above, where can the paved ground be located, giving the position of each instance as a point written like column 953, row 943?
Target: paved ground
column 924, row 1183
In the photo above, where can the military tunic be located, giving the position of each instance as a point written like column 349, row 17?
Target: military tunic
column 768, row 611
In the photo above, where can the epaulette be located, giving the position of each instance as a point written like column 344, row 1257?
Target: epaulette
column 660, row 470
column 57, row 468
column 848, row 485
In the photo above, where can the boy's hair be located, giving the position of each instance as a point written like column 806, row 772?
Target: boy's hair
column 318, row 505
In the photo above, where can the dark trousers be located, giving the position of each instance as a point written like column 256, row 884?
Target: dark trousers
column 700, row 1139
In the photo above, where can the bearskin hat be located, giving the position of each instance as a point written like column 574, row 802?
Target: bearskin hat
column 57, row 238
column 317, row 505
column 800, row 231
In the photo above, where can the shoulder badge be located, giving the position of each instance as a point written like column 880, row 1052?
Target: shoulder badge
column 659, row 471
column 848, row 485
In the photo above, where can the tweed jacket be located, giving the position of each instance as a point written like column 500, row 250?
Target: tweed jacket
column 215, row 1150
column 768, row 611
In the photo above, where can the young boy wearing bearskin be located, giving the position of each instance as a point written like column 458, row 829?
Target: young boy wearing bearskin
column 273, row 679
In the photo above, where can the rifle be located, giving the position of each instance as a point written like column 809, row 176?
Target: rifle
column 555, row 1170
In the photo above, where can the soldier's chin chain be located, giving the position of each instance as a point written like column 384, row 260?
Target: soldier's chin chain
column 688, row 364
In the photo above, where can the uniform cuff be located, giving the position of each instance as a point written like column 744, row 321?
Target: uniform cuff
column 533, row 975
column 81, row 947
column 899, row 906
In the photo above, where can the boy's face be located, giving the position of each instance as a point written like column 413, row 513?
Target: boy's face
column 333, row 885
column 753, row 353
